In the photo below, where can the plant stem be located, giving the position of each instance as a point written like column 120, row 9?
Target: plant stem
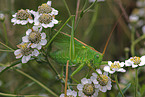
column 5, row 33
column 115, row 75
column 67, row 7
column 136, row 82
column 13, row 95
column 89, row 7
column 6, row 46
column 94, row 18
column 66, row 78
column 58, row 32
column 36, row 81
column 1, row 50
column 132, row 41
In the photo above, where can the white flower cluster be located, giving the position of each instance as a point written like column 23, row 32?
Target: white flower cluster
column 35, row 38
column 137, row 15
column 91, row 87
column 118, row 66
column 45, row 16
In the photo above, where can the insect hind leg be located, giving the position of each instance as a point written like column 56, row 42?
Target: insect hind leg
column 76, row 71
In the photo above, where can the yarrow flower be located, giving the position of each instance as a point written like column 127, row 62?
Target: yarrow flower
column 25, row 52
column 87, row 88
column 45, row 16
column 45, row 20
column 116, row 66
column 22, row 17
column 70, row 93
column 135, row 61
column 35, row 37
column 46, row 8
column 103, row 82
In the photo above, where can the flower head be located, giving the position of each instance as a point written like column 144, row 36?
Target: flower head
column 25, row 52
column 45, row 20
column 87, row 88
column 70, row 93
column 35, row 37
column 116, row 66
column 103, row 82
column 135, row 61
column 46, row 8
column 22, row 17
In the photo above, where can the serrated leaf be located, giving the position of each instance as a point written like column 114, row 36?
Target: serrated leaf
column 124, row 90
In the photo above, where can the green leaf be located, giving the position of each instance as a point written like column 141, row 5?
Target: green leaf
column 124, row 90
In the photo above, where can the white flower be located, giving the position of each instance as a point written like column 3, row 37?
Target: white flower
column 46, row 8
column 70, row 93
column 103, row 83
column 45, row 20
column 135, row 61
column 35, row 37
column 133, row 18
column 143, row 29
column 22, row 17
column 87, row 88
column 25, row 52
column 116, row 66
column 2, row 17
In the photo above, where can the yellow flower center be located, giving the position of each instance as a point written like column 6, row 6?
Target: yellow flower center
column 89, row 89
column 25, row 50
column 34, row 37
column 23, row 15
column 103, row 80
column 44, row 8
column 115, row 66
column 45, row 18
column 136, row 60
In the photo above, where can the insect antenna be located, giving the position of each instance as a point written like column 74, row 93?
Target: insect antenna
column 111, row 34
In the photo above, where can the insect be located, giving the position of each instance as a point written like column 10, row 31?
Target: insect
column 84, row 54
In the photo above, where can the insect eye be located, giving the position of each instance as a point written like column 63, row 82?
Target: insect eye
column 97, row 56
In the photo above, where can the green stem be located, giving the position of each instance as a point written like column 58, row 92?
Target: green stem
column 13, row 64
column 58, row 31
column 67, row 7
column 115, row 75
column 132, row 41
column 94, row 18
column 72, row 44
column 89, row 7
column 6, row 46
column 13, row 95
column 36, row 81
column 136, row 82
column 1, row 50
column 5, row 33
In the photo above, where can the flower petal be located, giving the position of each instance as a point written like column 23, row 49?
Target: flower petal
column 80, row 87
column 106, row 68
column 28, row 31
column 49, row 3
column 43, row 41
column 25, row 39
column 43, row 35
column 35, row 52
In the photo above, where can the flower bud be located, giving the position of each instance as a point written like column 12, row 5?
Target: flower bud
column 2, row 17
